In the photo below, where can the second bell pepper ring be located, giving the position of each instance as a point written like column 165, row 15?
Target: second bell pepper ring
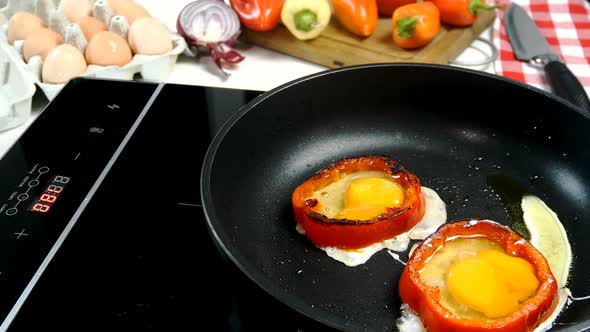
column 357, row 16
column 258, row 15
column 426, row 300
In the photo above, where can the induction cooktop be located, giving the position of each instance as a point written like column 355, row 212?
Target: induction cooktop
column 101, row 223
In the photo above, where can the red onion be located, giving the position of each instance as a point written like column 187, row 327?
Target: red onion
column 211, row 24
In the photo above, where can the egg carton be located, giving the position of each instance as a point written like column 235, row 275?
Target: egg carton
column 149, row 67
column 16, row 89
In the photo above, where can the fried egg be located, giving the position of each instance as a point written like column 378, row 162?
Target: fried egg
column 364, row 195
column 462, row 266
column 459, row 272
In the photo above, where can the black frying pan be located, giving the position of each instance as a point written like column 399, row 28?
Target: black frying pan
column 456, row 129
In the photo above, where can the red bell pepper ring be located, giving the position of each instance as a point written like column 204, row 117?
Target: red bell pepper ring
column 258, row 15
column 425, row 300
column 353, row 234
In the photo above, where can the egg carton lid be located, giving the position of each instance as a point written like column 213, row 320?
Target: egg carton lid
column 149, row 67
column 16, row 89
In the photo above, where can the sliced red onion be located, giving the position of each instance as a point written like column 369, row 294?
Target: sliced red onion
column 211, row 24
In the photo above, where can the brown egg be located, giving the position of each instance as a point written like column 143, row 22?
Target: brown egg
column 148, row 36
column 41, row 42
column 62, row 64
column 90, row 26
column 131, row 10
column 74, row 9
column 107, row 48
column 117, row 4
column 21, row 24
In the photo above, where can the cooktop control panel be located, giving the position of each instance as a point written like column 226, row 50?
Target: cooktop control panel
column 101, row 223
column 51, row 172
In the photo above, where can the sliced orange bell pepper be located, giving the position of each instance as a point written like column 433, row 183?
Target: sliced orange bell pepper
column 258, row 15
column 415, row 25
column 357, row 16
column 353, row 234
column 426, row 300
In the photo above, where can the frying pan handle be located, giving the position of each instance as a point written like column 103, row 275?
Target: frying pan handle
column 566, row 85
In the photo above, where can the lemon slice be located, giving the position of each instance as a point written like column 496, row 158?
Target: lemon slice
column 548, row 236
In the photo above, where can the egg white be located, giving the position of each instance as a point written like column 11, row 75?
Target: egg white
column 435, row 215
column 547, row 324
column 530, row 206
column 409, row 321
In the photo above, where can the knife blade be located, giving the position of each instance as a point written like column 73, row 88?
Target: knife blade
column 529, row 44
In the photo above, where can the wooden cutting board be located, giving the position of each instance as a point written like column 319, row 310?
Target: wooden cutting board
column 336, row 47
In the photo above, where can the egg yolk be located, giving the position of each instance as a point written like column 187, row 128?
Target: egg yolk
column 367, row 198
column 491, row 282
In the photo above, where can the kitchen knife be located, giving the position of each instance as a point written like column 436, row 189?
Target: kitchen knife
column 529, row 44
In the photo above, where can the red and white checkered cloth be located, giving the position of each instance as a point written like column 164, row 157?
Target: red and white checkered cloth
column 566, row 26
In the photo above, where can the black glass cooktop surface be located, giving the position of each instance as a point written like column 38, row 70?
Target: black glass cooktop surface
column 101, row 223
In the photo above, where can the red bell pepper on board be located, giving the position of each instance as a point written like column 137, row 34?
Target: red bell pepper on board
column 258, row 15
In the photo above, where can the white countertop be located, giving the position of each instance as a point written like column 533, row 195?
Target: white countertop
column 262, row 69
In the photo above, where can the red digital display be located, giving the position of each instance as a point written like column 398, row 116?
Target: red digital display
column 50, row 194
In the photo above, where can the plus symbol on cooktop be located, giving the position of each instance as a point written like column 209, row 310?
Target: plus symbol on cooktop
column 21, row 233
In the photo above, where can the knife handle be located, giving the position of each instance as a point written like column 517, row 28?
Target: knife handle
column 566, row 85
